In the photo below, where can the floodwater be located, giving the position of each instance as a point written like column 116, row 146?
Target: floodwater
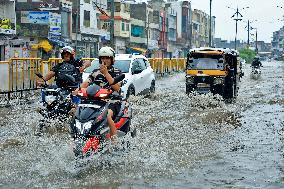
column 182, row 142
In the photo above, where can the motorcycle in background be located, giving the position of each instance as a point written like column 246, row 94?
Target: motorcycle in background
column 255, row 72
column 56, row 102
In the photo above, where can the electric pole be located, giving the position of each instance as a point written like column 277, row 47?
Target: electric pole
column 237, row 15
column 147, row 29
column 256, row 49
column 248, row 33
column 77, row 24
column 210, row 27
column 112, row 42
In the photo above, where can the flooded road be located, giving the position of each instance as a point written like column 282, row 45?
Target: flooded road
column 182, row 142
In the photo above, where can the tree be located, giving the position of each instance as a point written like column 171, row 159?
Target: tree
column 247, row 54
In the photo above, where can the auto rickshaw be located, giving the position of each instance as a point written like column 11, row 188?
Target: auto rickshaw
column 213, row 70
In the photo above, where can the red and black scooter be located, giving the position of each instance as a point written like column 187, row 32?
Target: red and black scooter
column 89, row 127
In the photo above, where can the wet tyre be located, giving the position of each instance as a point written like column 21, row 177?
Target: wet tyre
column 130, row 91
column 77, row 149
column 133, row 133
column 152, row 88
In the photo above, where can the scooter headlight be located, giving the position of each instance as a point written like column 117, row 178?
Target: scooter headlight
column 86, row 128
column 50, row 99
column 218, row 80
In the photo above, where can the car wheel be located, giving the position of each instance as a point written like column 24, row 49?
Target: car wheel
column 152, row 88
column 130, row 91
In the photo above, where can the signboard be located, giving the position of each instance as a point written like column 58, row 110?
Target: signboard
column 7, row 31
column 39, row 17
column 55, row 23
column 34, row 17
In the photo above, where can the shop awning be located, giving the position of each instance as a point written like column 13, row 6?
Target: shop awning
column 43, row 44
column 141, row 50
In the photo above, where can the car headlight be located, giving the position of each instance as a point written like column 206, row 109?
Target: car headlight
column 123, row 82
column 190, row 80
column 218, row 80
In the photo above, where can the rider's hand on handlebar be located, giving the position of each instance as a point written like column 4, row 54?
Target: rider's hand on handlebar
column 39, row 83
column 75, row 92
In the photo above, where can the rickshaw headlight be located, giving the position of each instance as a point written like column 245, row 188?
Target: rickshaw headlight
column 218, row 80
column 190, row 80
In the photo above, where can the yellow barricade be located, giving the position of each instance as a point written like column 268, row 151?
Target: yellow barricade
column 167, row 65
column 4, row 72
column 19, row 73
column 22, row 73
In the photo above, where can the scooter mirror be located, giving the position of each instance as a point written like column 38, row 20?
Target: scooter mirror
column 39, row 75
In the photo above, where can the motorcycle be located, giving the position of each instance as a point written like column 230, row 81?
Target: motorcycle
column 255, row 72
column 56, row 102
column 89, row 127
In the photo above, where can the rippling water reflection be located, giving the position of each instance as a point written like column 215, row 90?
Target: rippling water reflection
column 182, row 142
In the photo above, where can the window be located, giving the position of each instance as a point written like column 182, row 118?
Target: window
column 135, row 65
column 142, row 64
column 127, row 27
column 106, row 26
column 86, row 18
column 122, row 26
column 122, row 65
column 137, row 31
column 117, row 6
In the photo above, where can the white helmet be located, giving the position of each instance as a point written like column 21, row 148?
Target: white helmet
column 107, row 51
column 69, row 50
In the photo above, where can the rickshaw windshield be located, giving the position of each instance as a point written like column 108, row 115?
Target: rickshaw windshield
column 206, row 64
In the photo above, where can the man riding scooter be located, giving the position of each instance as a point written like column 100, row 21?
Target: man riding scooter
column 68, row 77
column 256, row 63
column 105, row 75
column 69, row 66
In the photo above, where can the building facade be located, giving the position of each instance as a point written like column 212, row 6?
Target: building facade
column 7, row 29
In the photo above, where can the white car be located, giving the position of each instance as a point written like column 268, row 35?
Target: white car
column 139, row 76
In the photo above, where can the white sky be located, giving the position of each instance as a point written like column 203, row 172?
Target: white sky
column 265, row 12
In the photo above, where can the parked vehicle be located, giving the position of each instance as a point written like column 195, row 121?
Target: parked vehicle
column 139, row 76
column 89, row 128
column 213, row 70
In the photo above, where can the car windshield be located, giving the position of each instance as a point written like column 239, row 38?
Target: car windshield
column 122, row 65
column 206, row 64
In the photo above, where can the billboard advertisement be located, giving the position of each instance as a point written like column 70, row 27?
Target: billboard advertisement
column 34, row 17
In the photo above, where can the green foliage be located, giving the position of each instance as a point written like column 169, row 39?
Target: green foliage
column 247, row 54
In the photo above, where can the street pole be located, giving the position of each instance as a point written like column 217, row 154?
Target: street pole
column 112, row 42
column 77, row 24
column 248, row 32
column 15, row 17
column 237, row 19
column 210, row 27
column 147, row 26
column 236, row 34
column 256, row 49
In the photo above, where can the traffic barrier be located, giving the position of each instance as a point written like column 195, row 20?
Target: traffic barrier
column 22, row 73
column 18, row 74
column 4, row 72
column 167, row 65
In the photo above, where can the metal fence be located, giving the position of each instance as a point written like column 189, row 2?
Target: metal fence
column 18, row 74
